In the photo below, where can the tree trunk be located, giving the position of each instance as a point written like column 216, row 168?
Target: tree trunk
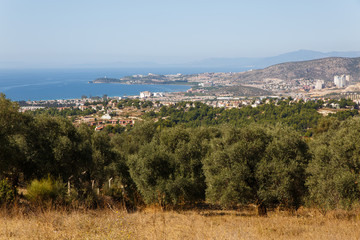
column 262, row 210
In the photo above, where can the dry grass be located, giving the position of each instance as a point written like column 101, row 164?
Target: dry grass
column 155, row 224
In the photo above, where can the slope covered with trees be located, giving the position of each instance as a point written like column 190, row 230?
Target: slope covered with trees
column 227, row 158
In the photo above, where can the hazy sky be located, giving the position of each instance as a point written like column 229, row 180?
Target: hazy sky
column 85, row 31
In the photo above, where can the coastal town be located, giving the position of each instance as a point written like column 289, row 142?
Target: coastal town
column 328, row 81
column 105, row 111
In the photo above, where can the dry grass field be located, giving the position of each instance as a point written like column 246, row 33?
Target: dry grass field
column 156, row 224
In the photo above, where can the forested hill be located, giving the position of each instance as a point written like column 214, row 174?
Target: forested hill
column 324, row 69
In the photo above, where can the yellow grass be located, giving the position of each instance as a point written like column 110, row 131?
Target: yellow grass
column 155, row 224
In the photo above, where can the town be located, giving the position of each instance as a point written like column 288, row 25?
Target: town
column 114, row 113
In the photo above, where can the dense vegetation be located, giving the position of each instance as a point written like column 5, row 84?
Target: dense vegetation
column 192, row 154
column 299, row 115
column 63, row 113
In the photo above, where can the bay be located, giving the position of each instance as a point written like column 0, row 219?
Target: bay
column 47, row 84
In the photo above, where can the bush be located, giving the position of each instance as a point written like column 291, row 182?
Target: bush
column 46, row 190
column 116, row 191
column 88, row 199
column 7, row 192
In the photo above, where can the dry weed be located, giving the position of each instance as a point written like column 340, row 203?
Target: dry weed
column 156, row 224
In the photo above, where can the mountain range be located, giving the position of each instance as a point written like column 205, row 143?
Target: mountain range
column 210, row 64
column 258, row 63
column 233, row 64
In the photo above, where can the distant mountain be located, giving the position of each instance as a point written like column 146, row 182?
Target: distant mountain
column 209, row 64
column 324, row 68
column 258, row 63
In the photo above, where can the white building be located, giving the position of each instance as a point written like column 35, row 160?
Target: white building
column 319, row 84
column 341, row 81
column 206, row 84
column 106, row 117
column 145, row 94
column 348, row 79
column 158, row 94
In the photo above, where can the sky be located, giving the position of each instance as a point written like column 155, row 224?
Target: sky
column 44, row 32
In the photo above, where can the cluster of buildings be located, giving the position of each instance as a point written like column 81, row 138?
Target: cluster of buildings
column 274, row 84
column 147, row 94
column 355, row 96
column 100, row 120
column 206, row 84
column 105, row 120
column 342, row 80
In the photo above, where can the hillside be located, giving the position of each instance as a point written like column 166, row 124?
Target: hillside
column 324, row 69
column 240, row 91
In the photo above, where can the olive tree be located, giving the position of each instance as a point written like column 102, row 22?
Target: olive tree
column 168, row 170
column 12, row 127
column 230, row 168
column 281, row 172
column 334, row 172
column 257, row 165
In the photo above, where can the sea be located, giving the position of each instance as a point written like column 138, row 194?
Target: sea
column 50, row 84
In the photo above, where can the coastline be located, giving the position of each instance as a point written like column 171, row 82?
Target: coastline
column 75, row 90
column 49, row 84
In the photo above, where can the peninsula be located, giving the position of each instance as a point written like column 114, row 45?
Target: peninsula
column 148, row 79
column 105, row 80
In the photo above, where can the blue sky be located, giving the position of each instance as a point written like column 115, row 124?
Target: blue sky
column 45, row 32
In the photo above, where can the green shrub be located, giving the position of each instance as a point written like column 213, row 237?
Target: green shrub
column 7, row 192
column 87, row 198
column 46, row 190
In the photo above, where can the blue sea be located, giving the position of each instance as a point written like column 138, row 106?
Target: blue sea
column 47, row 84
